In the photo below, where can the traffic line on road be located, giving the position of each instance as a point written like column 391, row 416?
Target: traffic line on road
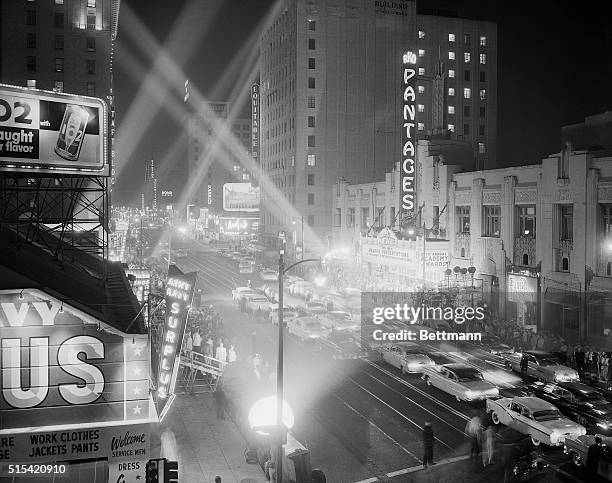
column 414, row 469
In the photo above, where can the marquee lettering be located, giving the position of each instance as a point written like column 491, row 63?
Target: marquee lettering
column 407, row 182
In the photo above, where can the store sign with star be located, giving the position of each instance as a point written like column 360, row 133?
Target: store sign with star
column 62, row 367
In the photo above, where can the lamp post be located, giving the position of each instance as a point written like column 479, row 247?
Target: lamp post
column 302, row 235
column 280, row 359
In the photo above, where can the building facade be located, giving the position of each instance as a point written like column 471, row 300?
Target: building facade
column 331, row 76
column 63, row 46
column 539, row 237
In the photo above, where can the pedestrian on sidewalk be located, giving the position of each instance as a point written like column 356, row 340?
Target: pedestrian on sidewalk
column 221, row 354
column 428, row 443
column 219, row 396
column 231, row 354
column 489, row 446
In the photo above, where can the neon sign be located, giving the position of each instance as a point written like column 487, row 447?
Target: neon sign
column 255, row 121
column 407, row 181
column 179, row 295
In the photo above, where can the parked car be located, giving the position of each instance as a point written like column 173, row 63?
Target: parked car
column 579, row 402
column 533, row 416
column 460, row 380
column 242, row 292
column 338, row 320
column 307, row 328
column 405, row 357
column 542, row 365
column 268, row 275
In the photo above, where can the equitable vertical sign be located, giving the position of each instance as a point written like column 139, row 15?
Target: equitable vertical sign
column 255, row 121
column 408, row 175
column 179, row 295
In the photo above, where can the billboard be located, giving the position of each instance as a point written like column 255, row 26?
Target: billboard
column 240, row 197
column 238, row 226
column 179, row 295
column 61, row 366
column 407, row 173
column 47, row 132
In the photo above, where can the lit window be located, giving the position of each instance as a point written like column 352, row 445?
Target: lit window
column 451, row 55
column 236, row 167
column 483, row 94
column 58, row 86
column 451, row 91
column 246, row 177
column 451, row 127
column 467, row 93
column 312, row 25
column 421, row 108
column 421, row 89
column 451, row 109
column 483, row 41
column 420, row 126
column 421, row 70
column 59, row 2
column 451, row 73
column 91, row 3
column 311, row 161
column 421, row 53
column 451, row 37
column 482, row 148
column 467, row 57
column 483, row 59
column 421, row 34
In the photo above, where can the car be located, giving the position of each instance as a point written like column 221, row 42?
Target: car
column 307, row 328
column 578, row 448
column 579, row 402
column 288, row 313
column 494, row 345
column 405, row 357
column 342, row 345
column 338, row 320
column 181, row 253
column 235, row 255
column 533, row 416
column 222, row 252
column 542, row 365
column 242, row 292
column 460, row 380
column 268, row 275
column 515, row 391
column 316, row 308
column 258, row 303
column 246, row 266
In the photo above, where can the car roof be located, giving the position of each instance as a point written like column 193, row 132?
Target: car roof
column 534, row 403
column 540, row 353
column 454, row 366
column 577, row 387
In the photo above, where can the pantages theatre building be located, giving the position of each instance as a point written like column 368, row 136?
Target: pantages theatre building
column 535, row 241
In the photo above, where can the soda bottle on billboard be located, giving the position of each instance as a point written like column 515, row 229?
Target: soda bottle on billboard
column 72, row 132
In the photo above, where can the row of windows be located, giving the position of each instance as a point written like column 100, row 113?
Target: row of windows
column 58, row 19
column 90, row 87
column 467, row 93
column 466, row 110
column 467, row 38
column 467, row 57
column 31, row 65
column 31, row 42
column 269, row 219
column 466, row 129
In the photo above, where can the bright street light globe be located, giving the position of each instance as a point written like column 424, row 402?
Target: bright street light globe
column 262, row 416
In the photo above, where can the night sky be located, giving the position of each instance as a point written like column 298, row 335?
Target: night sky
column 554, row 68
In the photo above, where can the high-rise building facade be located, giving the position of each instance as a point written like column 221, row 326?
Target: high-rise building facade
column 208, row 161
column 62, row 45
column 331, row 97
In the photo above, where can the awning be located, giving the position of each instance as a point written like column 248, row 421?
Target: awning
column 568, row 298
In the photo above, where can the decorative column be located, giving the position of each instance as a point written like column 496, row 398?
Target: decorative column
column 476, row 222
column 507, row 236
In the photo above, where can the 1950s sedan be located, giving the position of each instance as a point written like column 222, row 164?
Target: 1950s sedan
column 460, row 380
column 535, row 417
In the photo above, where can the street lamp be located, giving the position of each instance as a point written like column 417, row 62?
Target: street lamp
column 319, row 280
column 294, row 221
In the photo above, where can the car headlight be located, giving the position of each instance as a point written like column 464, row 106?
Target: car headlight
column 470, row 394
column 603, row 425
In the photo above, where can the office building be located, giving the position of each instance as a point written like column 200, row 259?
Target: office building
column 331, row 92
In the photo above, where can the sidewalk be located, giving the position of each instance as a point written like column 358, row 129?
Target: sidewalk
column 204, row 446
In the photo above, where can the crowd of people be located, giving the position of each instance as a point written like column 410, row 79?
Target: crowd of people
column 206, row 336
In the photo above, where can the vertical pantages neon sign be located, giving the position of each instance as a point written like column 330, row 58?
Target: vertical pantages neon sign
column 408, row 171
column 255, row 121
column 179, row 295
